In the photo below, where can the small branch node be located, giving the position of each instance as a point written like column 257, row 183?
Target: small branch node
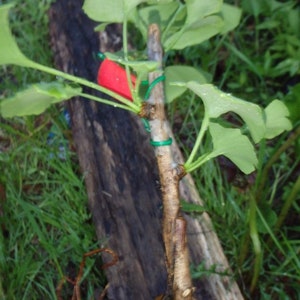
column 148, row 111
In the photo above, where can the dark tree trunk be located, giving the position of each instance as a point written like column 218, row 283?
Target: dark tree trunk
column 121, row 177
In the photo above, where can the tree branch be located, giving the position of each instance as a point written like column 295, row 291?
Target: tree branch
column 174, row 226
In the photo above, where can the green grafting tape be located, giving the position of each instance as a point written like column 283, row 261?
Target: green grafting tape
column 152, row 85
column 101, row 55
column 161, row 143
column 146, row 124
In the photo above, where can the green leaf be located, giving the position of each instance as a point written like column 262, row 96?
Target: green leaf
column 276, row 119
column 104, row 11
column 292, row 101
column 57, row 90
column 231, row 16
column 36, row 99
column 191, row 207
column 189, row 24
column 140, row 67
column 199, row 9
column 195, row 33
column 231, row 143
column 180, row 74
column 109, row 11
column 217, row 103
column 160, row 14
column 101, row 27
column 202, row 22
column 9, row 50
column 160, row 1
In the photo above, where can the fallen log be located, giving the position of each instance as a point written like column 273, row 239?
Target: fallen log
column 121, row 176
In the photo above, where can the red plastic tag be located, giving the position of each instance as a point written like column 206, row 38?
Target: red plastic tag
column 113, row 77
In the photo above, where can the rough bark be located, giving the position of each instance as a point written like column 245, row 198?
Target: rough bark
column 117, row 162
column 121, row 178
column 174, row 226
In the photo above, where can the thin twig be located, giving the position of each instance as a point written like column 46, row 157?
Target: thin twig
column 76, row 283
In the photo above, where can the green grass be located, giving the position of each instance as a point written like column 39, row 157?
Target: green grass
column 45, row 226
column 228, row 195
column 257, row 216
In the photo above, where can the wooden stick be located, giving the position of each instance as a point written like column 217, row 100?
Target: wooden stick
column 174, row 226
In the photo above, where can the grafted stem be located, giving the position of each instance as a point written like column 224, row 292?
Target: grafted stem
column 174, row 226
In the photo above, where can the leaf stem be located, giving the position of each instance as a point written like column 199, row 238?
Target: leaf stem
column 105, row 101
column 163, row 36
column 202, row 131
column 198, row 162
column 131, row 106
column 255, row 241
column 136, row 99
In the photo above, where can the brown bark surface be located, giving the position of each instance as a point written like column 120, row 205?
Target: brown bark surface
column 121, row 177
column 118, row 164
column 174, row 226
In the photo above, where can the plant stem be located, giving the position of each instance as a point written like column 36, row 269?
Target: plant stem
column 202, row 131
column 131, row 106
column 255, row 241
column 136, row 99
column 264, row 175
column 288, row 203
column 104, row 101
column 174, row 226
column 164, row 35
column 198, row 162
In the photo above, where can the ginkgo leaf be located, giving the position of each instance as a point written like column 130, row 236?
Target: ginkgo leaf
column 276, row 119
column 180, row 74
column 204, row 19
column 102, row 26
column 104, row 11
column 231, row 15
column 109, row 11
column 137, row 66
column 237, row 147
column 160, row 14
column 36, row 99
column 199, row 9
column 217, row 103
column 195, row 33
column 9, row 50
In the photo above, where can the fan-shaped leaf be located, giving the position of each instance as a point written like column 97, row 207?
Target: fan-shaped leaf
column 180, row 74
column 231, row 143
column 195, row 33
column 9, row 50
column 217, row 103
column 137, row 66
column 36, row 99
column 276, row 119
column 231, row 15
column 109, row 11
column 199, row 9
column 160, row 14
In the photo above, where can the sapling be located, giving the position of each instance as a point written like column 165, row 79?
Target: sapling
column 165, row 25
